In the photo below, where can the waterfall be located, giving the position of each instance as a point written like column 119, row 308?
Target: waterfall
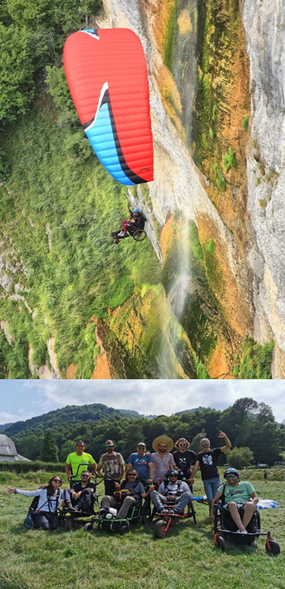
column 170, row 359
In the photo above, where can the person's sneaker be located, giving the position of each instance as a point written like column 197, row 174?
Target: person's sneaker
column 116, row 241
column 239, row 532
column 121, row 234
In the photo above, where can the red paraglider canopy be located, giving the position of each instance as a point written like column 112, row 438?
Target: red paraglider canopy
column 107, row 77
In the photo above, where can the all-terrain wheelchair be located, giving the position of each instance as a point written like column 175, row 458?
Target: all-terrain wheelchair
column 137, row 234
column 225, row 528
column 108, row 522
column 164, row 519
column 71, row 518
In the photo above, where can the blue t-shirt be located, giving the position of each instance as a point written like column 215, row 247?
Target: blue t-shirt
column 140, row 463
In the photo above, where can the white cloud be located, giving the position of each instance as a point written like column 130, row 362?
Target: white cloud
column 156, row 396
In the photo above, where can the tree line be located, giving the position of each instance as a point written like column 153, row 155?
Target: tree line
column 248, row 424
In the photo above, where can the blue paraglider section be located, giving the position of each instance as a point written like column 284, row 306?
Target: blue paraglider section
column 106, row 150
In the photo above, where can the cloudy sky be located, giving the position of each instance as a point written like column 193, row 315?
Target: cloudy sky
column 20, row 400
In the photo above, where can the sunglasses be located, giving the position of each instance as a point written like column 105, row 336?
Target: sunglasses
column 110, row 446
column 131, row 475
column 182, row 444
column 231, row 476
column 57, row 481
column 85, row 476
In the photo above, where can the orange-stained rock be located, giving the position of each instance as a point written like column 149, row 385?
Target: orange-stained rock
column 71, row 370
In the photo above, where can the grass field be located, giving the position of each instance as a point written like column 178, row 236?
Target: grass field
column 186, row 558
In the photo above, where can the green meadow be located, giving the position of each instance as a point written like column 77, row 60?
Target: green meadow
column 186, row 558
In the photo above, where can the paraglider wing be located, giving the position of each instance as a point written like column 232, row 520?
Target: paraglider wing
column 107, row 77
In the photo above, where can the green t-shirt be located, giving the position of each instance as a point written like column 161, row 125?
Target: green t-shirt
column 237, row 494
column 74, row 461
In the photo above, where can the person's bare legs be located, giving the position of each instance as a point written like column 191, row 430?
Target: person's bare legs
column 233, row 509
column 248, row 513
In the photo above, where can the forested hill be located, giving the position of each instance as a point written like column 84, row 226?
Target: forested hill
column 95, row 423
column 69, row 415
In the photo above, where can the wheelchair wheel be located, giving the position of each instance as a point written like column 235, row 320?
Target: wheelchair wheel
column 219, row 542
column 147, row 513
column 192, row 512
column 68, row 524
column 160, row 529
column 88, row 527
column 272, row 547
column 139, row 235
column 125, row 529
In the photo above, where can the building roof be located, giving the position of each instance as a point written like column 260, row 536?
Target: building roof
column 7, row 446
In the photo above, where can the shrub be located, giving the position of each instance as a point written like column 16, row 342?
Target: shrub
column 22, row 467
column 210, row 246
column 245, row 123
column 229, row 160
column 220, row 178
column 239, row 457
column 214, row 113
column 236, row 370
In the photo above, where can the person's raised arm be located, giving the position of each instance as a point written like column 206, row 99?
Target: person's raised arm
column 228, row 444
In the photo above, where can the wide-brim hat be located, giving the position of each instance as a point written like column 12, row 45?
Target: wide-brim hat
column 176, row 443
column 165, row 440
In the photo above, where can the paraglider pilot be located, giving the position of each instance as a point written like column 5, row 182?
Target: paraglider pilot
column 136, row 221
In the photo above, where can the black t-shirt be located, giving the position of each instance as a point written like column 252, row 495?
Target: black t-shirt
column 78, row 487
column 139, row 221
column 208, row 463
column 184, row 460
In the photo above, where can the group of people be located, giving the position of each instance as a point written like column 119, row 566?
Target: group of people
column 160, row 474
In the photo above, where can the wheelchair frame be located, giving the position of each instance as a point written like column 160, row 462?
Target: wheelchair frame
column 221, row 532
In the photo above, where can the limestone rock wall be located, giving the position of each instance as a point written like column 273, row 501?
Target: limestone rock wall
column 264, row 25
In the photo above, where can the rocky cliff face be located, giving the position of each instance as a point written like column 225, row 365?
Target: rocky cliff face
column 264, row 26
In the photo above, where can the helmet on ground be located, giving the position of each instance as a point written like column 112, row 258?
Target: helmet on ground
column 231, row 471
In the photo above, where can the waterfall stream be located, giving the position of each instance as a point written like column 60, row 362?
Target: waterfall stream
column 172, row 359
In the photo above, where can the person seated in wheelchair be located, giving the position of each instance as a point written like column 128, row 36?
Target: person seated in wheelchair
column 239, row 499
column 126, row 495
column 136, row 221
column 81, row 497
column 173, row 491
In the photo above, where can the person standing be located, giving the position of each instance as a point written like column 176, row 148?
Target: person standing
column 208, row 460
column 162, row 459
column 76, row 462
column 184, row 458
column 112, row 463
column 142, row 463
